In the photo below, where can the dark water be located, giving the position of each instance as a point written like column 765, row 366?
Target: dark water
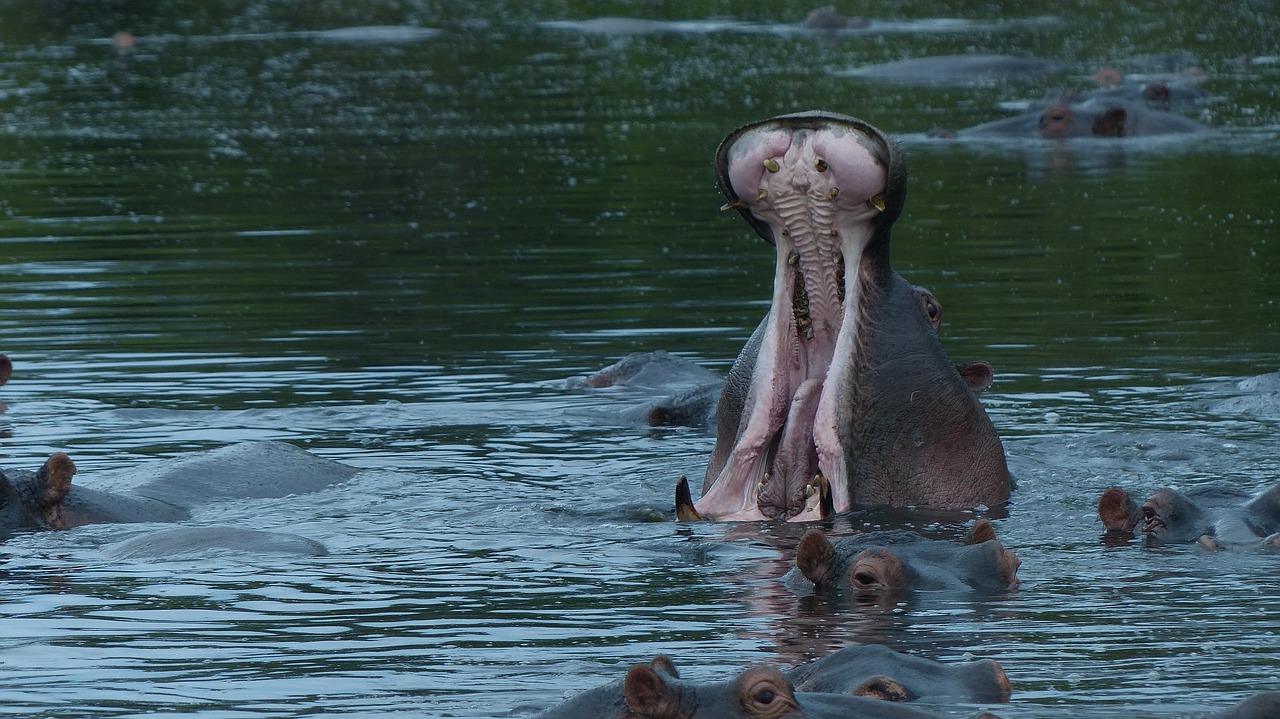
column 392, row 250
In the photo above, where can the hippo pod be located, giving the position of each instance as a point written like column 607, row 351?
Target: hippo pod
column 1211, row 517
column 865, row 681
column 163, row 491
column 843, row 395
column 880, row 563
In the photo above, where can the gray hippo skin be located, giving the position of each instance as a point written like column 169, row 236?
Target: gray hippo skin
column 164, row 490
column 6, row 371
column 1212, row 517
column 890, row 562
column 843, row 395
column 1095, row 117
column 656, row 691
column 1265, row 705
column 874, row 670
column 956, row 69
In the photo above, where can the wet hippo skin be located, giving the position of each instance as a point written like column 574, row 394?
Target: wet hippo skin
column 1214, row 517
column 164, row 490
column 1095, row 117
column 891, row 562
column 869, row 681
column 843, row 396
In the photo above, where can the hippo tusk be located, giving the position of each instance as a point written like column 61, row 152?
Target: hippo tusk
column 684, row 503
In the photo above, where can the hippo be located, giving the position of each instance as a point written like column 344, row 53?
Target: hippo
column 843, row 395
column 163, row 491
column 1264, row 705
column 889, row 562
column 867, row 682
column 6, row 371
column 1212, row 517
column 1100, row 116
column 957, row 70
column 188, row 542
column 1155, row 94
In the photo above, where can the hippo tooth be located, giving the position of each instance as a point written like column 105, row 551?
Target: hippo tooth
column 819, row 164
column 876, row 201
column 834, row 193
column 772, row 165
column 763, row 194
column 738, row 204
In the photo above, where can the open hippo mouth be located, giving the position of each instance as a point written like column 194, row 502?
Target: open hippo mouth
column 808, row 422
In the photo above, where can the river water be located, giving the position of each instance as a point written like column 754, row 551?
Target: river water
column 392, row 247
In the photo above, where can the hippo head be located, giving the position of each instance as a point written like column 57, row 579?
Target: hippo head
column 757, row 693
column 844, row 394
column 34, row 499
column 1169, row 517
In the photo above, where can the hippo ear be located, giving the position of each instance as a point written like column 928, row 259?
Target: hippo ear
column 981, row 531
column 6, row 368
column 882, row 688
column 646, row 693
column 1110, row 123
column 55, row 478
column 663, row 663
column 978, row 375
column 815, row 557
column 1118, row 511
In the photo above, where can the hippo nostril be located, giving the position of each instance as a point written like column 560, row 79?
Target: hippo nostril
column 865, row 580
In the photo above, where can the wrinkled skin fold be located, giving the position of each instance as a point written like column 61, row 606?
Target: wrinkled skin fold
column 843, row 395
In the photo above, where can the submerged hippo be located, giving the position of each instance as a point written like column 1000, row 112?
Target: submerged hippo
column 868, row 682
column 1212, row 517
column 6, row 371
column 895, row 561
column 1100, row 116
column 957, row 69
column 163, row 491
column 843, row 395
column 1264, row 705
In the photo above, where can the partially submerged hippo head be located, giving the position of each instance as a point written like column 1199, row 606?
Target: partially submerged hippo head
column 843, row 395
column 865, row 566
column 33, row 500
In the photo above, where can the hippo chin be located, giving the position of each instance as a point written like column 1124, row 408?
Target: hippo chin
column 843, row 395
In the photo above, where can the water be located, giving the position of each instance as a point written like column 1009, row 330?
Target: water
column 393, row 252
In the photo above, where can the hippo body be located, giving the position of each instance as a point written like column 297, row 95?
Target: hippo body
column 843, row 395
column 165, row 490
column 1211, row 516
column 957, row 69
column 1099, row 116
column 890, row 562
column 850, row 687
column 188, row 542
column 1264, row 705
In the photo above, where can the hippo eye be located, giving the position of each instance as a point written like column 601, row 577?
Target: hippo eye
column 865, row 579
column 933, row 310
column 765, row 697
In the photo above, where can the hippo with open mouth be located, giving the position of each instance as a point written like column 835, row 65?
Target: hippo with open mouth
column 843, row 395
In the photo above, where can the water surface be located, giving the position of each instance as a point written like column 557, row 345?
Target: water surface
column 392, row 248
